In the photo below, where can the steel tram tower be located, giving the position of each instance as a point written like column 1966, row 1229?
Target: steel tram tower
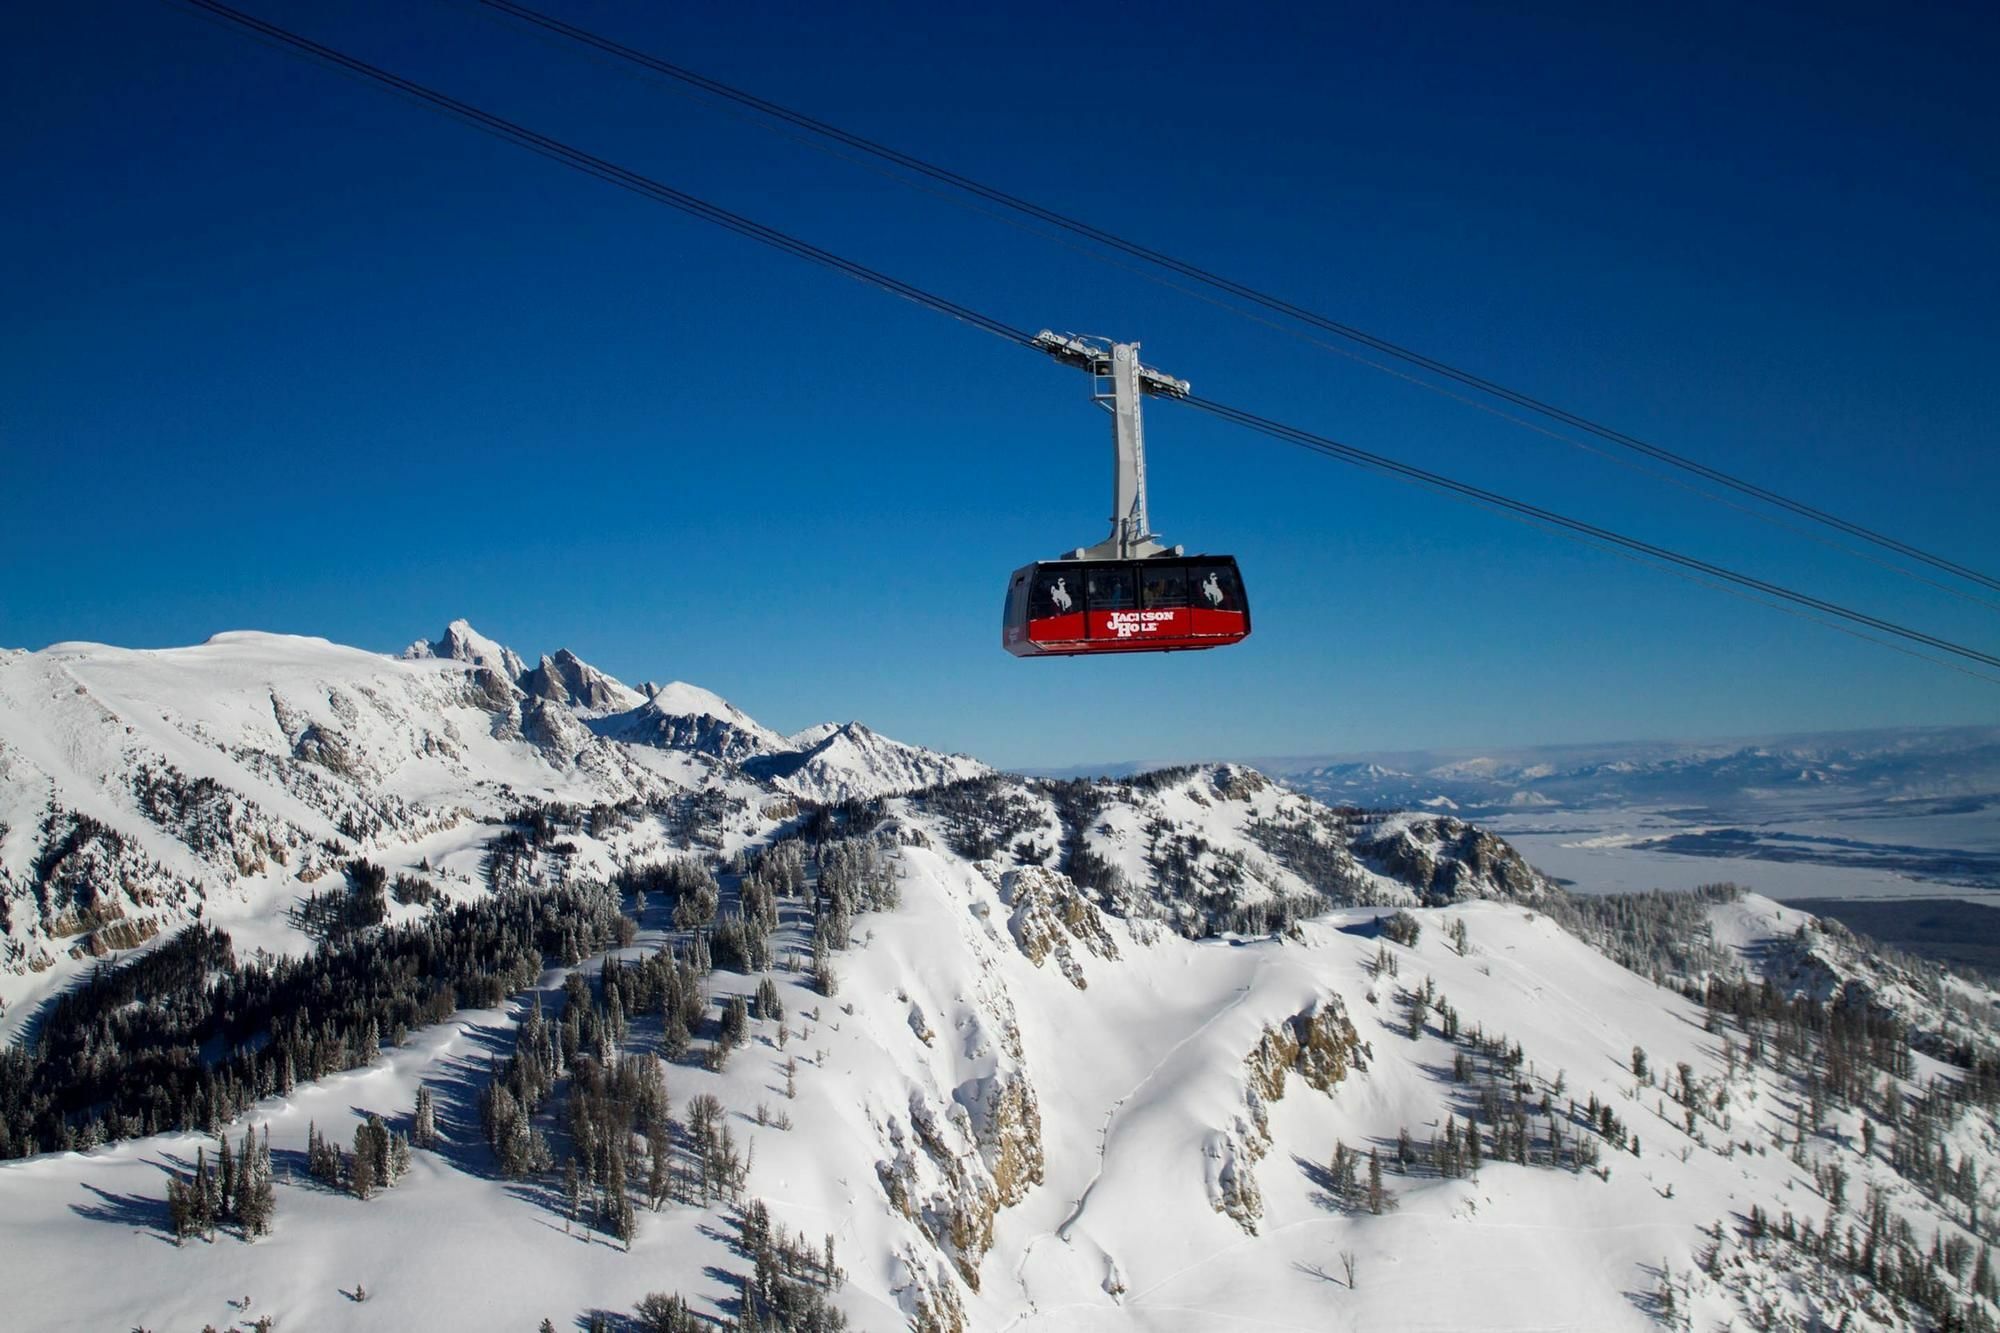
column 1130, row 592
column 1119, row 384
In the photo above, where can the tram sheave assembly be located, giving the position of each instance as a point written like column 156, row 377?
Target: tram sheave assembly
column 1129, row 593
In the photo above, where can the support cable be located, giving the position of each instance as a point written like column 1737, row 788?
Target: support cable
column 1244, row 292
column 589, row 164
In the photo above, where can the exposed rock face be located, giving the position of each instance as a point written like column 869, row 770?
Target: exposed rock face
column 937, row 1179
column 693, row 733
column 88, row 874
column 972, row 1141
column 1050, row 912
column 1448, row 860
column 115, row 935
column 567, row 679
column 1011, row 1135
column 849, row 761
column 554, row 730
column 927, row 1295
column 462, row 643
column 1234, row 782
column 1227, row 1159
column 1318, row 1043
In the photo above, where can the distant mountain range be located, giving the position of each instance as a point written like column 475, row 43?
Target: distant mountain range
column 137, row 784
column 1950, row 769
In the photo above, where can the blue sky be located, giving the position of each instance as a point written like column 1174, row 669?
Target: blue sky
column 283, row 352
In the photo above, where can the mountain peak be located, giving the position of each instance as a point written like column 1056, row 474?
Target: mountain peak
column 462, row 643
column 681, row 699
column 565, row 678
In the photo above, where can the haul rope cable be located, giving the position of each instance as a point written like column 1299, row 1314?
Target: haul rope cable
column 611, row 55
column 645, row 185
column 1245, row 292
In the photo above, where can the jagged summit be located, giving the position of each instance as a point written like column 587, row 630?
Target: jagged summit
column 835, row 762
column 139, row 786
column 462, row 643
column 565, row 678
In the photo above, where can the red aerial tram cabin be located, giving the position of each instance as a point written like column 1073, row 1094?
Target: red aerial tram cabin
column 1065, row 608
column 1130, row 593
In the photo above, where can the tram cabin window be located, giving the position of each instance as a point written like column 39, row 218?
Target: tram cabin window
column 1111, row 589
column 1215, row 587
column 1163, row 588
column 1056, row 592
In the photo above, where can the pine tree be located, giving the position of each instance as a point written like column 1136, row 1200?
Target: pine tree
column 1376, row 1198
column 423, row 1125
column 660, row 1163
column 180, row 1207
column 207, row 1198
column 769, row 1005
column 256, row 1201
column 377, row 1142
column 363, row 1179
column 225, row 1179
column 626, row 1220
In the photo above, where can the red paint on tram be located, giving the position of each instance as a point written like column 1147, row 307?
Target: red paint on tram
column 1068, row 608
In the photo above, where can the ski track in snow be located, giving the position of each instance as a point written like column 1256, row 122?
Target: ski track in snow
column 1068, row 1224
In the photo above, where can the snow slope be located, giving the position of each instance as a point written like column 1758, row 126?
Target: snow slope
column 1140, row 1082
column 1088, row 1072
column 140, row 787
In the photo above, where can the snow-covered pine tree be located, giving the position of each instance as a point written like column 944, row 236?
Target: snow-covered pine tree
column 423, row 1123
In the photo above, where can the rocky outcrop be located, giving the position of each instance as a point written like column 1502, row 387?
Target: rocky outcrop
column 936, row 1178
column 1050, row 913
column 1234, row 782
column 927, row 1295
column 850, row 762
column 565, row 678
column 1228, row 1157
column 951, row 1174
column 1447, row 860
column 462, row 643
column 693, row 733
column 127, row 933
column 967, row 1151
column 88, row 874
column 1010, row 1136
column 1318, row 1043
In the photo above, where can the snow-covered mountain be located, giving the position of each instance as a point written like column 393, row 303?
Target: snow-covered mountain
column 1880, row 813
column 1929, row 764
column 822, row 1031
column 847, row 761
column 140, row 788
